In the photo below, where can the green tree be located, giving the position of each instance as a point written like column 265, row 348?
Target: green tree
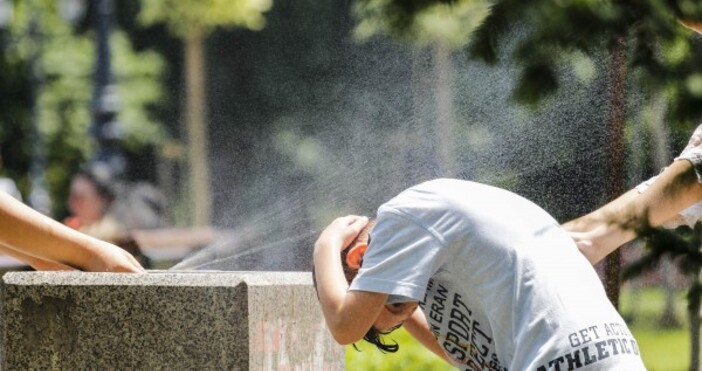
column 63, row 67
column 644, row 36
column 193, row 20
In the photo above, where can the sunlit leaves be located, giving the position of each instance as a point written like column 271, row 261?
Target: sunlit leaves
column 422, row 21
column 664, row 51
column 60, row 64
column 694, row 84
column 184, row 16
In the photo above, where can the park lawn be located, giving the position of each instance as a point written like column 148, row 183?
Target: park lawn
column 411, row 356
column 662, row 349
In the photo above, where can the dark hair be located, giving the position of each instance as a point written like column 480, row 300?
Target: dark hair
column 373, row 336
column 102, row 177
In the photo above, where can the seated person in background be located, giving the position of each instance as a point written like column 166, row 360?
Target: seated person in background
column 93, row 196
column 46, row 244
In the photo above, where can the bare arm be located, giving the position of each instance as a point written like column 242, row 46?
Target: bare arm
column 604, row 230
column 418, row 327
column 34, row 262
column 31, row 233
column 349, row 314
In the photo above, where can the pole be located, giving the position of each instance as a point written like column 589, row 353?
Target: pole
column 39, row 198
column 615, row 175
column 105, row 129
column 196, row 125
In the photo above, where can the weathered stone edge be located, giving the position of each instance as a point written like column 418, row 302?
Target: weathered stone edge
column 158, row 278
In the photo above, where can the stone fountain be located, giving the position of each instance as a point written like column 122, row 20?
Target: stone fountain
column 164, row 321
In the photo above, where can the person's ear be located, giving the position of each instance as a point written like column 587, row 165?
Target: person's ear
column 355, row 255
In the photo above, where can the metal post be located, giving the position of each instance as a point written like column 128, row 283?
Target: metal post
column 105, row 129
column 39, row 198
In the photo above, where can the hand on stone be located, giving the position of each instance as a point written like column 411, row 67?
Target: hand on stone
column 110, row 258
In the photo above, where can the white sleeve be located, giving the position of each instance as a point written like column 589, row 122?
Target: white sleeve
column 401, row 258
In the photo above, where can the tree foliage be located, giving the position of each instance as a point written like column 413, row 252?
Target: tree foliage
column 62, row 63
column 424, row 21
column 184, row 16
column 668, row 55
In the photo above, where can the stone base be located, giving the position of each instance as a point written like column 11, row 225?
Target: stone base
column 164, row 321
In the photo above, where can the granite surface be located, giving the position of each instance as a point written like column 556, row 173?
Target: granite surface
column 164, row 321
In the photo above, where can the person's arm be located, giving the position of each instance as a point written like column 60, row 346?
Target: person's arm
column 604, row 230
column 418, row 327
column 29, row 232
column 34, row 262
column 348, row 314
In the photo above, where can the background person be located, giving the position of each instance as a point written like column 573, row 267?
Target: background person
column 93, row 202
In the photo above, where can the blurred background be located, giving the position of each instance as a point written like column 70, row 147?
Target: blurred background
column 215, row 134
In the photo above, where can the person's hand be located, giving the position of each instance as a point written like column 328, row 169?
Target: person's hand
column 586, row 246
column 341, row 232
column 110, row 258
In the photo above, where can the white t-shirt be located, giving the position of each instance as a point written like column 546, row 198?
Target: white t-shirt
column 502, row 286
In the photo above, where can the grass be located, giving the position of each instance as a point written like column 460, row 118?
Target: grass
column 663, row 349
column 411, row 356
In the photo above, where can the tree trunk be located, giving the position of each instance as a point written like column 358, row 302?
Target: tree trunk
column 661, row 159
column 199, row 175
column 616, row 173
column 444, row 111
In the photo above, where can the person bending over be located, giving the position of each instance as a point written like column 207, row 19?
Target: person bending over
column 499, row 285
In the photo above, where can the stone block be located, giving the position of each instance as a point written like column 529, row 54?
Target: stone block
column 164, row 321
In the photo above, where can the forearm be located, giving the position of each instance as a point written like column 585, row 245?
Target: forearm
column 348, row 315
column 418, row 327
column 599, row 233
column 331, row 284
column 604, row 230
column 31, row 233
column 34, row 262
column 676, row 189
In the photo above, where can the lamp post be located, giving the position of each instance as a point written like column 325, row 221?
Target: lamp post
column 105, row 129
column 39, row 198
